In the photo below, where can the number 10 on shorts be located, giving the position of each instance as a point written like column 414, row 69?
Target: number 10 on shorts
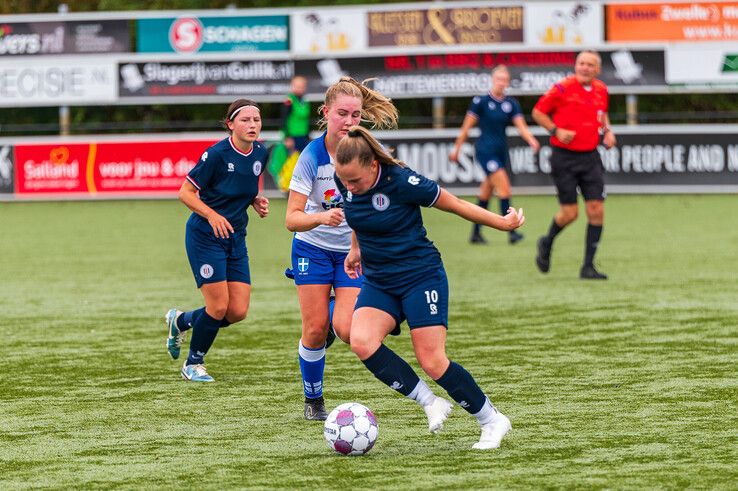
column 431, row 298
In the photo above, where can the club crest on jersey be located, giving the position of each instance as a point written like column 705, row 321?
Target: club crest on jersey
column 414, row 180
column 303, row 264
column 257, row 167
column 231, row 167
column 206, row 271
column 204, row 157
column 491, row 105
column 506, row 106
column 380, row 202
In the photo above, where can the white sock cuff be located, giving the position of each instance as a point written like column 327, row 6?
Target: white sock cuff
column 422, row 394
column 310, row 354
column 487, row 413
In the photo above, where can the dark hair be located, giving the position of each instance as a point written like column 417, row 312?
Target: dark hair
column 234, row 107
column 360, row 143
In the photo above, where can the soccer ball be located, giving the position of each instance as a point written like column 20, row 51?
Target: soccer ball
column 351, row 429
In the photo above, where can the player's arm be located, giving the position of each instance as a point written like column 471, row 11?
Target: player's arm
column 299, row 221
column 525, row 134
column 608, row 136
column 543, row 119
column 188, row 195
column 469, row 121
column 450, row 203
column 352, row 263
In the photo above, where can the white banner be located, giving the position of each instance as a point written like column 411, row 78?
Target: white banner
column 569, row 24
column 328, row 31
column 55, row 81
column 690, row 64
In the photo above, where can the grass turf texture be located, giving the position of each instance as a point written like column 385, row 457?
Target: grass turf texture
column 628, row 383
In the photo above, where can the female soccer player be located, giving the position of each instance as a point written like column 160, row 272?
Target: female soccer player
column 494, row 112
column 218, row 190
column 322, row 238
column 404, row 278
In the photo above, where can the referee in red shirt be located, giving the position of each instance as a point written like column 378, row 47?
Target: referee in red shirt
column 574, row 112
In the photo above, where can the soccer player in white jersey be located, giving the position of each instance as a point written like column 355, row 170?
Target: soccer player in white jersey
column 322, row 238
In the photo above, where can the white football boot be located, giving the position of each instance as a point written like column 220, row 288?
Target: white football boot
column 437, row 413
column 493, row 432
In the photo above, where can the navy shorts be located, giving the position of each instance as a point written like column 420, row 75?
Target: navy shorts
column 577, row 169
column 315, row 266
column 490, row 162
column 422, row 304
column 213, row 259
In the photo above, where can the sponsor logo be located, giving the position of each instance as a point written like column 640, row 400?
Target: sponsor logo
column 396, row 385
column 414, row 180
column 332, row 199
column 257, row 167
column 231, row 167
column 464, row 404
column 204, row 157
column 626, row 68
column 730, row 63
column 185, row 35
column 380, row 202
column 206, row 271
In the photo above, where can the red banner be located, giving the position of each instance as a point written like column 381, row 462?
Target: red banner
column 105, row 168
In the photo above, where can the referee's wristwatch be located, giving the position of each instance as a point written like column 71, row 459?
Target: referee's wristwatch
column 552, row 131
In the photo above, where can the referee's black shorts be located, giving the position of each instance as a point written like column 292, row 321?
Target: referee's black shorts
column 571, row 169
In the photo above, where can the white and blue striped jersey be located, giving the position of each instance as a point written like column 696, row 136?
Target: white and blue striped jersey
column 313, row 177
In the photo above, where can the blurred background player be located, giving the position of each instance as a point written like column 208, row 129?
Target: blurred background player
column 574, row 112
column 494, row 112
column 294, row 124
column 218, row 190
column 405, row 279
column 322, row 237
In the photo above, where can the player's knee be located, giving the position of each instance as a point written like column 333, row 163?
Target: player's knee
column 314, row 334
column 236, row 313
column 217, row 310
column 569, row 214
column 363, row 346
column 342, row 330
column 434, row 365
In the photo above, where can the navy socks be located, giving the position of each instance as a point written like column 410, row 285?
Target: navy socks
column 593, row 240
column 462, row 388
column 204, row 331
column 392, row 370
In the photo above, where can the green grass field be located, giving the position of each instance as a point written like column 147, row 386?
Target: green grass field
column 629, row 383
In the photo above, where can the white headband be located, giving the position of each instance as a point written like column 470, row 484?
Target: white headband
column 233, row 114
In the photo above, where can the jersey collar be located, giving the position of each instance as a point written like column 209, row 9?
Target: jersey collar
column 379, row 176
column 502, row 99
column 233, row 146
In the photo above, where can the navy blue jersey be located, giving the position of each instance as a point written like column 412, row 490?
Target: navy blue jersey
column 228, row 180
column 494, row 115
column 394, row 245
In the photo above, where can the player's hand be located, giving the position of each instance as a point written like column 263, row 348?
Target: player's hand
column 609, row 139
column 513, row 219
column 352, row 264
column 534, row 145
column 221, row 226
column 565, row 136
column 261, row 206
column 333, row 217
column 453, row 156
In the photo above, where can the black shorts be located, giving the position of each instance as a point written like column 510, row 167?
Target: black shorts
column 577, row 169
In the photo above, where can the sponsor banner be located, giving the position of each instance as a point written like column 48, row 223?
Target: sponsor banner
column 202, row 79
column 672, row 21
column 691, row 64
column 71, row 37
column 445, row 26
column 105, row 168
column 328, row 32
column 642, row 158
column 467, row 74
column 57, row 81
column 212, row 34
column 6, row 169
column 568, row 24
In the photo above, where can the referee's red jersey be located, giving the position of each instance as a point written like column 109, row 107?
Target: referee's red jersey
column 573, row 107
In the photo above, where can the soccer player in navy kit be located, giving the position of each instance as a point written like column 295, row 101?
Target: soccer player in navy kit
column 219, row 189
column 494, row 112
column 322, row 238
column 404, row 278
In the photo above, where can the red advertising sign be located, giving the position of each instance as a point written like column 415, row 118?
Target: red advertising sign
column 105, row 168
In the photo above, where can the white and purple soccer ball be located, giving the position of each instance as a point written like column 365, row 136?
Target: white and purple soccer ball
column 351, row 429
